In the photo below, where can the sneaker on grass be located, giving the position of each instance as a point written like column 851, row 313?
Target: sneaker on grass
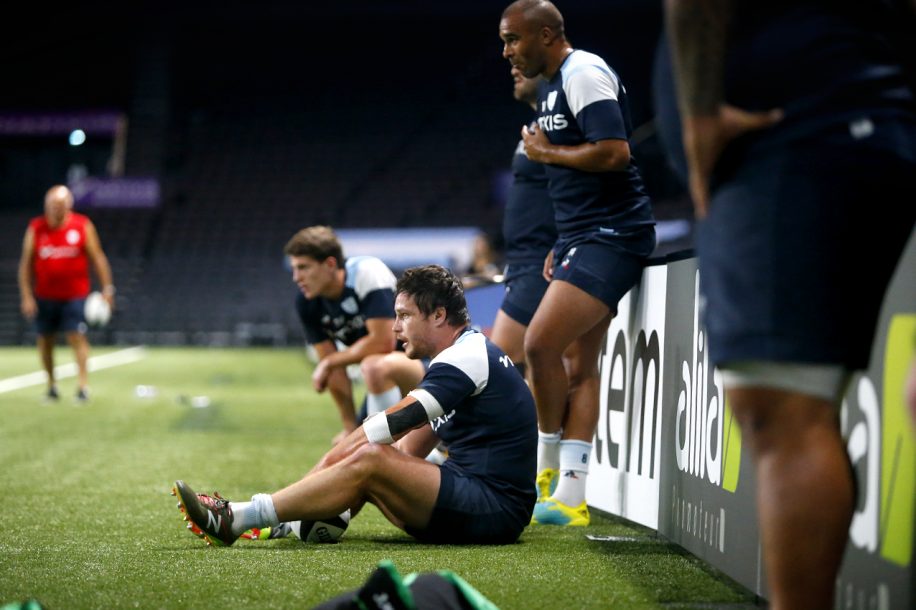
column 553, row 512
column 211, row 516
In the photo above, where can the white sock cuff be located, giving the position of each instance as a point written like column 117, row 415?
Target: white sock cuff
column 376, row 403
column 264, row 504
column 550, row 438
column 575, row 455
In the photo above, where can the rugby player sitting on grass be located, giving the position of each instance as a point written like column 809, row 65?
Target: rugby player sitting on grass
column 472, row 398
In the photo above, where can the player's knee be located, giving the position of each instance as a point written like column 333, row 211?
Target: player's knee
column 579, row 377
column 538, row 350
column 374, row 371
column 368, row 459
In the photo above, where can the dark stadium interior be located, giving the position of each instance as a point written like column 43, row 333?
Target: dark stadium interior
column 259, row 120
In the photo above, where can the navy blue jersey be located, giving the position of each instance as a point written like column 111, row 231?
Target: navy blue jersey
column 368, row 293
column 529, row 229
column 788, row 201
column 586, row 102
column 489, row 422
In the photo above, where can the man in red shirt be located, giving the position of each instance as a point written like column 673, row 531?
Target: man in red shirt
column 54, row 281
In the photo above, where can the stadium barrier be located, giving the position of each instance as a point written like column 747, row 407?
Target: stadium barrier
column 667, row 453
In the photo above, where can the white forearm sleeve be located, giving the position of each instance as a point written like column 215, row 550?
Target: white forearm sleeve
column 376, row 429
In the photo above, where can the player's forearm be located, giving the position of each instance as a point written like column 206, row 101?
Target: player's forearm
column 25, row 284
column 25, row 280
column 365, row 346
column 697, row 32
column 341, row 391
column 589, row 156
column 103, row 273
column 418, row 442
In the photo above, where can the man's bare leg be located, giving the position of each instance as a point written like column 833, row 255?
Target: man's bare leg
column 404, row 487
column 80, row 345
column 804, row 491
column 46, row 354
column 566, row 313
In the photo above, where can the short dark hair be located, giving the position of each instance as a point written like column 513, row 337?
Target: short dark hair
column 318, row 242
column 434, row 286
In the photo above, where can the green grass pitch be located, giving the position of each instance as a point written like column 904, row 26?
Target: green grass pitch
column 88, row 522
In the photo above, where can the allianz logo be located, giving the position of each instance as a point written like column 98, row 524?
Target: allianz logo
column 875, row 421
column 708, row 440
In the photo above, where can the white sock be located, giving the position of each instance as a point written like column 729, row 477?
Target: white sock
column 259, row 512
column 436, row 457
column 574, row 458
column 376, row 403
column 549, row 449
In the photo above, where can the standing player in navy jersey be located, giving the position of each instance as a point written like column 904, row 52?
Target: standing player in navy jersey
column 796, row 182
column 472, row 398
column 349, row 303
column 529, row 232
column 606, row 233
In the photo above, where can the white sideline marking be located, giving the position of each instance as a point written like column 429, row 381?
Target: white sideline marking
column 96, row 363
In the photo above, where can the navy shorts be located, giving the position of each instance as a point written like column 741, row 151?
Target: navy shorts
column 60, row 316
column 600, row 269
column 786, row 233
column 468, row 511
column 525, row 286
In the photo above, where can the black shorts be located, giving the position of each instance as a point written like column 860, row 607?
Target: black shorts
column 60, row 316
column 600, row 269
column 786, row 233
column 468, row 511
column 525, row 286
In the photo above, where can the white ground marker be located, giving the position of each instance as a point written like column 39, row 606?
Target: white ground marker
column 96, row 363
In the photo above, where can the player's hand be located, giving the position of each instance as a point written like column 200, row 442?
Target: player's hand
column 548, row 266
column 109, row 298
column 28, row 306
column 705, row 137
column 535, row 142
column 320, row 376
column 339, row 437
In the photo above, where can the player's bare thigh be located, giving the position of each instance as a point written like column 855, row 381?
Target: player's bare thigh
column 566, row 313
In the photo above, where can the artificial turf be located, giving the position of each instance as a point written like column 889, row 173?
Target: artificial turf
column 88, row 522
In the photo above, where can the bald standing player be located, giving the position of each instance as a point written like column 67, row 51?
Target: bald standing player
column 606, row 233
column 54, row 281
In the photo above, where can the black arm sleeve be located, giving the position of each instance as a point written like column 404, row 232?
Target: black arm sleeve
column 406, row 419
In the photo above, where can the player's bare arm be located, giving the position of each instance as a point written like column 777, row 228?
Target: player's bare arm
column 699, row 31
column 378, row 340
column 338, row 384
column 600, row 156
column 386, row 428
column 100, row 263
column 27, row 298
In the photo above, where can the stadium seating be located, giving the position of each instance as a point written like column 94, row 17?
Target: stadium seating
column 247, row 154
